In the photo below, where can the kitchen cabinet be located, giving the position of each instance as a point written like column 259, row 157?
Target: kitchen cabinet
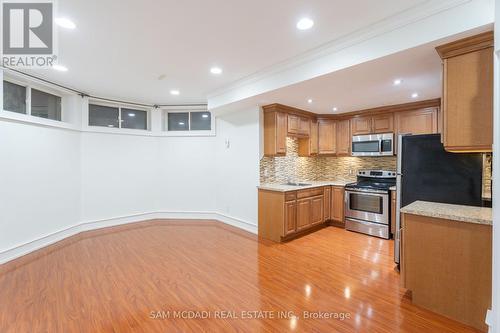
column 317, row 210
column 297, row 125
column 290, row 217
column 343, row 138
column 338, row 204
column 309, row 146
column 467, row 103
column 380, row 123
column 446, row 264
column 284, row 215
column 303, row 214
column 361, row 125
column 383, row 123
column 422, row 121
column 327, row 196
column 327, row 137
column 275, row 132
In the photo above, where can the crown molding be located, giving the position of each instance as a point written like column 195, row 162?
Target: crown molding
column 466, row 45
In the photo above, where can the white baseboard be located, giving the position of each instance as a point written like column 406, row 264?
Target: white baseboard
column 52, row 238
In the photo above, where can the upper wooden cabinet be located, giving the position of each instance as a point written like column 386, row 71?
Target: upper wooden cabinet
column 309, row 146
column 298, row 126
column 275, row 132
column 327, row 137
column 381, row 123
column 343, row 138
column 467, row 103
column 423, row 121
column 361, row 125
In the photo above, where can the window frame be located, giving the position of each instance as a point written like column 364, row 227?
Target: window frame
column 189, row 131
column 119, row 106
column 28, row 85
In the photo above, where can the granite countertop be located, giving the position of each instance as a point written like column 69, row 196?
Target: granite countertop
column 285, row 188
column 470, row 214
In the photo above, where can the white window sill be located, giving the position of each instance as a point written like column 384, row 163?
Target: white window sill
column 27, row 119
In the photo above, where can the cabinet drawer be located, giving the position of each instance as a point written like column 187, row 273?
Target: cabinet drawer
column 289, row 196
column 310, row 192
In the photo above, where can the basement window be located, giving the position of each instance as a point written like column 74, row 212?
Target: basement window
column 25, row 99
column 116, row 116
column 188, row 121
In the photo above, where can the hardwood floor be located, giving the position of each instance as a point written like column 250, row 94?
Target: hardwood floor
column 129, row 278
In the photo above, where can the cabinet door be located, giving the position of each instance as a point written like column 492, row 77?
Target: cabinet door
column 338, row 204
column 361, row 125
column 303, row 214
column 383, row 123
column 468, row 101
column 317, row 211
column 343, row 138
column 327, row 199
column 422, row 121
column 281, row 128
column 304, row 126
column 327, row 138
column 293, row 124
column 290, row 218
column 313, row 138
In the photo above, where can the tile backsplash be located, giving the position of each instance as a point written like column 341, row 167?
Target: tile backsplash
column 296, row 168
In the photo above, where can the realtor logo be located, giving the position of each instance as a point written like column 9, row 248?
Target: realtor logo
column 28, row 34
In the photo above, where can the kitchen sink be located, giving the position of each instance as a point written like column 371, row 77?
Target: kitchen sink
column 297, row 184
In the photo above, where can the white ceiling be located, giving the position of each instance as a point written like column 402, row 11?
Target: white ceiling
column 120, row 48
column 367, row 85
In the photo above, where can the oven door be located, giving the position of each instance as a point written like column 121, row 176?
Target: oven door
column 367, row 206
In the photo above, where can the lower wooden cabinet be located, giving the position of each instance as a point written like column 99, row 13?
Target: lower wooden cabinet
column 282, row 215
column 317, row 211
column 290, row 217
column 338, row 204
column 303, row 214
column 327, row 197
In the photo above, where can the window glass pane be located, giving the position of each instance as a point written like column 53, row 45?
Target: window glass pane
column 45, row 105
column 136, row 119
column 103, row 116
column 200, row 121
column 14, row 97
column 178, row 121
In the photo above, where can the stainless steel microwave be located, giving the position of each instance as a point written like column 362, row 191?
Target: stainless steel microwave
column 373, row 145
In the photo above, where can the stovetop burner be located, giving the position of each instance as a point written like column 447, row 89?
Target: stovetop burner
column 378, row 180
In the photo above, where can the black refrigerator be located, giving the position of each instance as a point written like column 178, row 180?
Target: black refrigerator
column 425, row 171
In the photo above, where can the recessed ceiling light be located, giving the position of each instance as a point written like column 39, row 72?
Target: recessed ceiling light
column 216, row 70
column 181, row 123
column 131, row 114
column 60, row 68
column 111, row 125
column 414, row 95
column 205, row 116
column 335, row 109
column 305, row 24
column 65, row 23
column 309, row 101
column 397, row 82
column 174, row 92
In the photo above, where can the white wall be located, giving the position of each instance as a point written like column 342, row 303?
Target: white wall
column 39, row 182
column 237, row 171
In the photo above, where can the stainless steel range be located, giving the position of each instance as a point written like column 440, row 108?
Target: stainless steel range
column 367, row 204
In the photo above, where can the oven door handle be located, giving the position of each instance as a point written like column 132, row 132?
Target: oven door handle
column 368, row 192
